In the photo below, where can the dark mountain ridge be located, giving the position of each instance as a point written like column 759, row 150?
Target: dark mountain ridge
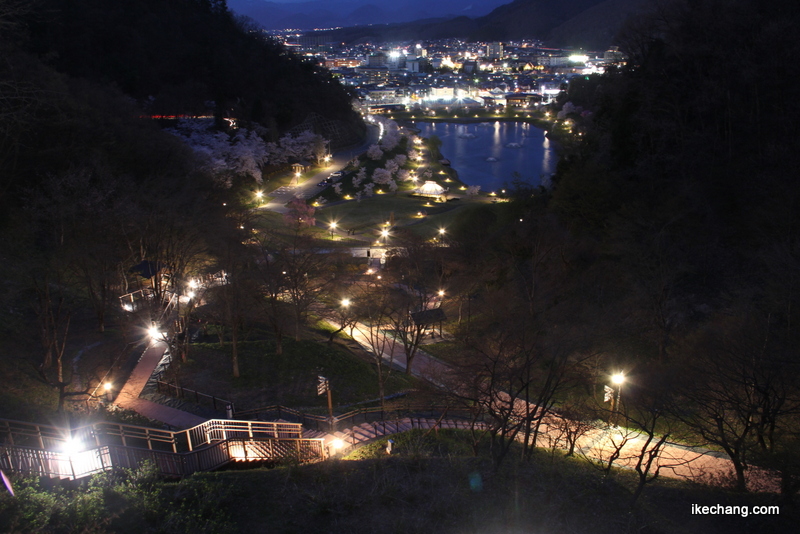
column 589, row 24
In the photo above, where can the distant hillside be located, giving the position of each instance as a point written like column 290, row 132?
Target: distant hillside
column 178, row 56
column 347, row 13
column 76, row 76
column 590, row 24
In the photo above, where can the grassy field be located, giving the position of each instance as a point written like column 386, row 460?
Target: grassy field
column 447, row 351
column 289, row 379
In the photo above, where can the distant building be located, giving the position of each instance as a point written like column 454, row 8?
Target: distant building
column 378, row 59
column 338, row 63
column 494, row 50
column 442, row 93
column 374, row 75
column 417, row 64
column 613, row 56
column 470, row 67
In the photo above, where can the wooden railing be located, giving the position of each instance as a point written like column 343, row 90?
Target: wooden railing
column 180, row 392
column 354, row 417
column 45, row 450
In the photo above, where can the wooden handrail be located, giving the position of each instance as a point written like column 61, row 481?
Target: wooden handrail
column 36, row 436
column 74, row 465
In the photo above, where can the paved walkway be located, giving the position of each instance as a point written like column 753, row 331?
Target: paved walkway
column 128, row 396
column 601, row 443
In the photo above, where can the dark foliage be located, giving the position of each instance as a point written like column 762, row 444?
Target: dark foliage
column 181, row 55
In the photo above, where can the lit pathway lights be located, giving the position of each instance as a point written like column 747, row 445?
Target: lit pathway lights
column 333, row 229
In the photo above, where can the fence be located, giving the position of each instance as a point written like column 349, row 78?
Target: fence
column 180, row 392
column 354, row 417
column 46, row 450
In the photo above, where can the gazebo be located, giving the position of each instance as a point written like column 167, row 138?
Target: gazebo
column 429, row 319
column 430, row 189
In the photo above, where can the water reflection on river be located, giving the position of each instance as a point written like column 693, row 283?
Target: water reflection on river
column 490, row 153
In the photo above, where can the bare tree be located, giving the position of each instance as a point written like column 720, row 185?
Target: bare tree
column 374, row 307
column 741, row 384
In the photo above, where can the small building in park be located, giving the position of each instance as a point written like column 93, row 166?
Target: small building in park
column 430, row 189
column 429, row 319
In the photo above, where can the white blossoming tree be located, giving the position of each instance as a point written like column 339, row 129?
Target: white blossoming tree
column 374, row 152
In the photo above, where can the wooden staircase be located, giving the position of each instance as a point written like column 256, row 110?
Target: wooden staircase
column 49, row 451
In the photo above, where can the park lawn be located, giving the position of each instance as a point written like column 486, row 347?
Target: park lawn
column 367, row 218
column 431, row 483
column 289, row 379
column 447, row 351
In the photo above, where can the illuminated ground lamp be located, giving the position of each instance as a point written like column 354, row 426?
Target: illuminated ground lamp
column 335, row 446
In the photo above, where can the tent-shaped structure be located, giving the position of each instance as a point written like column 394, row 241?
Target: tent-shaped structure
column 430, row 189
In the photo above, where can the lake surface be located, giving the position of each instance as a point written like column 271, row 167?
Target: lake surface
column 489, row 153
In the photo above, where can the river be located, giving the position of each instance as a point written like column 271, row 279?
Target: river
column 489, row 154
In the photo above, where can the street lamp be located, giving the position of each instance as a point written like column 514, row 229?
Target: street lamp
column 384, row 234
column 107, row 386
column 617, row 379
column 333, row 228
column 345, row 303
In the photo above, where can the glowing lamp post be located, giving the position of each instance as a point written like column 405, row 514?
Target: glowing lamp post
column 333, row 229
column 614, row 396
column 384, row 235
column 109, row 395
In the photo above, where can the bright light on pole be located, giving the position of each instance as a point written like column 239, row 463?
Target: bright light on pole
column 345, row 302
column 107, row 386
column 333, row 228
column 384, row 234
column 617, row 379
